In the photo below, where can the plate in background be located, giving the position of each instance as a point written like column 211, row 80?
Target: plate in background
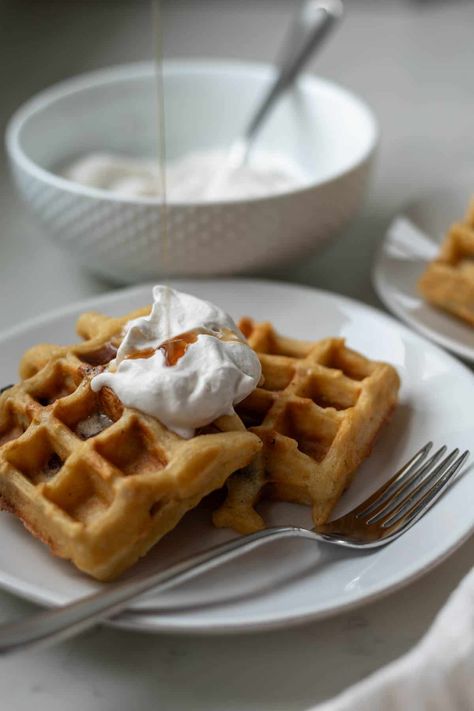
column 283, row 583
column 412, row 240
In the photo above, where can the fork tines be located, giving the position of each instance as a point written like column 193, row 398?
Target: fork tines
column 412, row 490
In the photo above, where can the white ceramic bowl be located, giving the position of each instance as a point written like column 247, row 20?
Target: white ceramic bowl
column 324, row 130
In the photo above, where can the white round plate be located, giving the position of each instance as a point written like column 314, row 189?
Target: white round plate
column 412, row 240
column 284, row 583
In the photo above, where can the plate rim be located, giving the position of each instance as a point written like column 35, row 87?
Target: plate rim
column 130, row 620
column 379, row 281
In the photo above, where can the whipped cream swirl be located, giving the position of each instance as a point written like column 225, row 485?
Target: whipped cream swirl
column 186, row 363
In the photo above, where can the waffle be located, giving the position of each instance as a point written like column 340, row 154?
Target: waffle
column 97, row 482
column 318, row 413
column 448, row 281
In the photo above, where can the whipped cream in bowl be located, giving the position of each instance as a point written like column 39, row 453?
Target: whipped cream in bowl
column 186, row 363
column 197, row 177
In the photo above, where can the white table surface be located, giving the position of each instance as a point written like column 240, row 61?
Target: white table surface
column 413, row 62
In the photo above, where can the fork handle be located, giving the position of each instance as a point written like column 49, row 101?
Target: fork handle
column 49, row 626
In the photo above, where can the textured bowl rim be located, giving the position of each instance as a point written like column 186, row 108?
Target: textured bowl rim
column 109, row 75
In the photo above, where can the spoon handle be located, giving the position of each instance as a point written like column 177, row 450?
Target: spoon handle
column 313, row 23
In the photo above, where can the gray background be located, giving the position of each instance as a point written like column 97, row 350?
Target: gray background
column 413, row 62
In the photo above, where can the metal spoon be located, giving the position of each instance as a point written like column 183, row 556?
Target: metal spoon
column 313, row 23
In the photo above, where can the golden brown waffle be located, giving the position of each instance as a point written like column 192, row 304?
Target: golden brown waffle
column 318, row 413
column 97, row 482
column 448, row 281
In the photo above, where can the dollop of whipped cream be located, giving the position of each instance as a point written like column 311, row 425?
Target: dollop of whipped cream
column 184, row 382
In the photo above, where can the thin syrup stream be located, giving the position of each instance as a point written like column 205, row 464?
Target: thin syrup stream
column 164, row 237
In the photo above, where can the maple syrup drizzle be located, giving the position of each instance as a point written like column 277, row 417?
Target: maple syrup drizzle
column 145, row 353
column 175, row 348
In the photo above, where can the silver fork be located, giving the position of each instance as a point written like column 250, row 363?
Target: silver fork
column 382, row 518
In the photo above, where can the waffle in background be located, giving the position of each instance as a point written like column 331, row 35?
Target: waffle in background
column 318, row 413
column 100, row 484
column 448, row 281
